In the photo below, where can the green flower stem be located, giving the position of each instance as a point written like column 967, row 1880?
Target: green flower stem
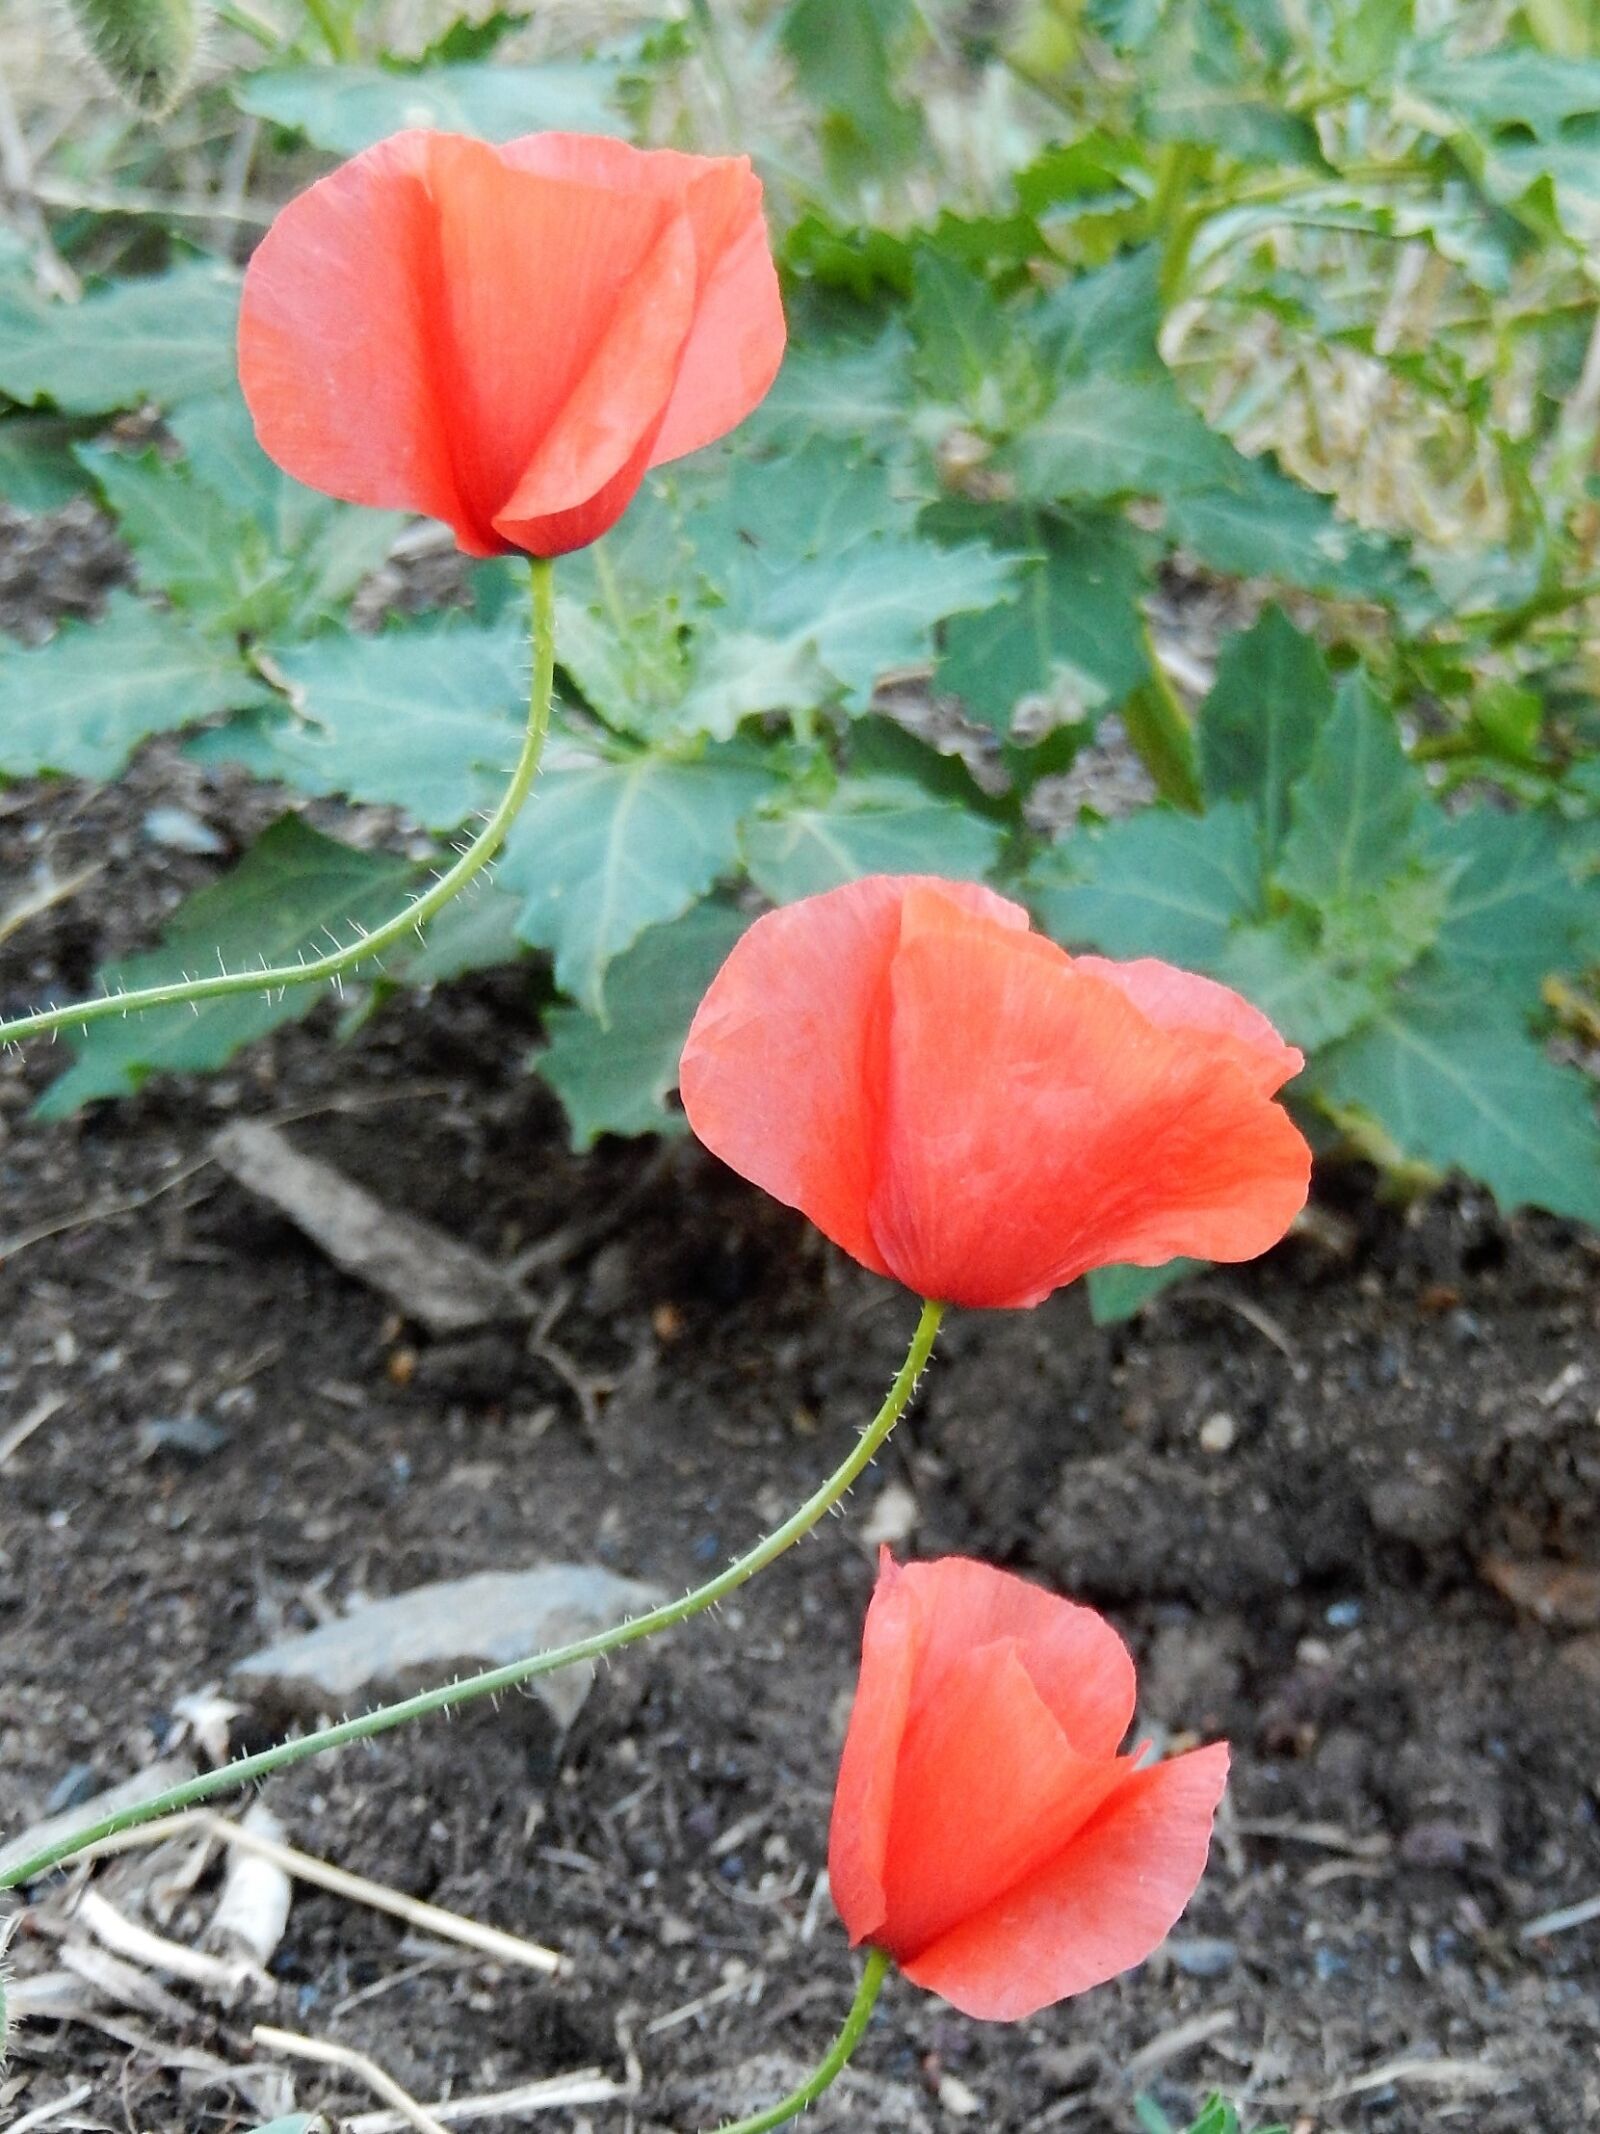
column 79, row 1014
column 832, row 2067
column 246, row 1769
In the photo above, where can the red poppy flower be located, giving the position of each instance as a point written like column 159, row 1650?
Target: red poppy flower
column 985, row 1831
column 962, row 1105
column 507, row 338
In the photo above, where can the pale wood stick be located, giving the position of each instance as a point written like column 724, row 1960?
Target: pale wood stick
column 356, row 2063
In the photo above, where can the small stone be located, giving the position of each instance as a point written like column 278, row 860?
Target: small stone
column 957, row 2099
column 1218, row 1432
column 191, row 1436
column 1435, row 1843
column 1203, row 1956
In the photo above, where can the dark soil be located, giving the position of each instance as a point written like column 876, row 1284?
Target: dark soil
column 1305, row 1491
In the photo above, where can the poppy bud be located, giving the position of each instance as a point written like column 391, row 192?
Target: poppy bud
column 146, row 49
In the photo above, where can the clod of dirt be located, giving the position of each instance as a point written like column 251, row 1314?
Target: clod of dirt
column 1427, row 1505
column 487, row 1620
column 1551, row 1591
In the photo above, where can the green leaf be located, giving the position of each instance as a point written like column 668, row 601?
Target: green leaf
column 868, row 826
column 1163, row 739
column 347, row 108
column 1074, row 634
column 830, row 627
column 842, row 53
column 292, row 893
column 1156, row 884
column 624, row 606
column 1107, row 436
column 476, row 931
column 38, row 469
column 1117, row 1293
column 819, row 500
column 1522, row 121
column 1108, row 321
column 614, row 1077
column 971, row 354
column 82, row 703
column 1264, row 525
column 1258, row 726
column 320, row 550
column 1313, row 998
column 853, row 389
column 1457, row 1083
column 188, row 543
column 1204, row 80
column 607, row 849
column 1514, row 912
column 427, row 719
column 1353, row 810
column 166, row 338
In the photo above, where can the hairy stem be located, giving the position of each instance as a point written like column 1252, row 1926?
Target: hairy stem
column 79, row 1014
column 832, row 2066
column 246, row 1769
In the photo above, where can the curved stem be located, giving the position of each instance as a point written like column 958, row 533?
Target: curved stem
column 246, row 1769
column 472, row 861
column 830, row 2068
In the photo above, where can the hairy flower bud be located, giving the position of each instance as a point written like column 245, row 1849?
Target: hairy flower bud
column 146, row 49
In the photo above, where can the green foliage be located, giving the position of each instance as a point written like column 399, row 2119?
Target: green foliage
column 293, row 894
column 1405, row 947
column 844, row 58
column 1093, row 307
column 1117, row 1293
column 346, row 109
column 867, row 826
column 1217, row 2116
column 427, row 720
column 614, row 1076
column 610, row 847
column 166, row 338
column 1074, row 635
column 82, row 703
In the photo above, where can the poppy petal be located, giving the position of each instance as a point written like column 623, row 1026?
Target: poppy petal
column 609, row 420
column 549, row 282
column 1075, row 1660
column 336, row 352
column 863, row 1799
column 1102, row 1905
column 968, row 1823
column 737, row 340
column 1115, row 1140
column 1181, row 1000
column 736, row 343
column 782, row 1072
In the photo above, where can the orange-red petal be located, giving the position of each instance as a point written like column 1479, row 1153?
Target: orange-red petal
column 782, row 1072
column 924, row 1621
column 736, row 341
column 1103, row 1904
column 863, row 1799
column 987, row 1791
column 1036, row 1123
column 336, row 348
column 1075, row 1660
column 1182, row 1001
column 507, row 338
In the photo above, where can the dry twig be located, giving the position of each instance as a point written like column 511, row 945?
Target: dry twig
column 327, row 2054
